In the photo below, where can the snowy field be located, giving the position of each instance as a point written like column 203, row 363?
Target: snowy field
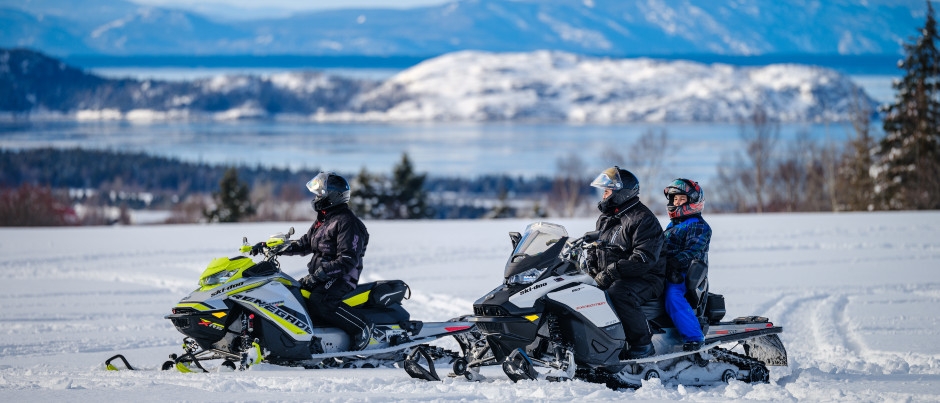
column 858, row 296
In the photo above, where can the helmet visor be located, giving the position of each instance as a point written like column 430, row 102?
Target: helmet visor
column 609, row 179
column 317, row 185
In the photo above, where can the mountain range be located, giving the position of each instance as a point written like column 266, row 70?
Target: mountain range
column 474, row 86
column 594, row 27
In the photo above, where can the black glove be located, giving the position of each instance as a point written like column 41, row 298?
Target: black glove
column 258, row 248
column 321, row 275
column 590, row 262
column 674, row 276
column 307, row 282
column 607, row 277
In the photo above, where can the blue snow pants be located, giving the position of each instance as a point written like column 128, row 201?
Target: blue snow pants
column 681, row 312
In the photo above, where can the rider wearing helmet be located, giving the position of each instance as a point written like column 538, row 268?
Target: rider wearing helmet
column 337, row 240
column 687, row 238
column 628, row 264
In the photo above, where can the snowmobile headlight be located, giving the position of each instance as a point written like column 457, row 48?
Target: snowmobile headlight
column 526, row 277
column 219, row 278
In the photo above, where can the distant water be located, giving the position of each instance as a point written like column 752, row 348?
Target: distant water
column 440, row 149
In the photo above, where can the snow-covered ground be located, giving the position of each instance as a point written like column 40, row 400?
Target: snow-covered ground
column 858, row 296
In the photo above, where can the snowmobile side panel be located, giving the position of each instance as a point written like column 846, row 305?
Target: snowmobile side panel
column 288, row 314
column 588, row 302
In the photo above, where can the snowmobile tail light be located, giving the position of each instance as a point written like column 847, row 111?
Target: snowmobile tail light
column 526, row 277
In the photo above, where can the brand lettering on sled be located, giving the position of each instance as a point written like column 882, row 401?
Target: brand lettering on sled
column 229, row 288
column 533, row 288
column 277, row 311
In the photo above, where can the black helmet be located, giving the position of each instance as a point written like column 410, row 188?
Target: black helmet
column 690, row 189
column 622, row 182
column 330, row 190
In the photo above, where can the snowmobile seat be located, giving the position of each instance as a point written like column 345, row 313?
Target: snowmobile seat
column 395, row 314
column 378, row 294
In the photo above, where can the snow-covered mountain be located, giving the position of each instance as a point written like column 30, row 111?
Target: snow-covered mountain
column 474, row 86
column 557, row 86
column 599, row 27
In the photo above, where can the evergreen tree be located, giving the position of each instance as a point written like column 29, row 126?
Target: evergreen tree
column 855, row 186
column 908, row 176
column 368, row 199
column 409, row 200
column 232, row 201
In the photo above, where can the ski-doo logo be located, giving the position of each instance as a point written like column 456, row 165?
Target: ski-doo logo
column 275, row 310
column 533, row 288
column 229, row 288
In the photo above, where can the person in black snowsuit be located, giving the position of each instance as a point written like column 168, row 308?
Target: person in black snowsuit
column 337, row 240
column 628, row 265
column 687, row 238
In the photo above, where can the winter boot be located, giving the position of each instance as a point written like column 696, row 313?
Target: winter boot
column 361, row 341
column 691, row 345
column 637, row 352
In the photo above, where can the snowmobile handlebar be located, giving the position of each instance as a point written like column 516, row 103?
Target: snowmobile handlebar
column 276, row 243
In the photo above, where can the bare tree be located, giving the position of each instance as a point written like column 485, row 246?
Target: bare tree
column 646, row 159
column 733, row 185
column 569, row 185
column 855, row 188
column 760, row 135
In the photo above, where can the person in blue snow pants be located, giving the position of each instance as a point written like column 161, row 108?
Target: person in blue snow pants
column 686, row 241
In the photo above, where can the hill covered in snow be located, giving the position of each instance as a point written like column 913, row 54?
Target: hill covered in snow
column 473, row 86
column 557, row 86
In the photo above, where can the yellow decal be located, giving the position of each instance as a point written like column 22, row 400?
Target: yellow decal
column 357, row 299
column 532, row 318
column 194, row 305
column 305, row 294
column 219, row 315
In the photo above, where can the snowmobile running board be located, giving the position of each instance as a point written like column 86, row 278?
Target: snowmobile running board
column 711, row 342
column 390, row 349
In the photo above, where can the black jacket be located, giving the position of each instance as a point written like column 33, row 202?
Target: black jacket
column 633, row 239
column 338, row 241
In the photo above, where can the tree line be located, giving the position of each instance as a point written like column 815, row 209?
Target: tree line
column 48, row 186
column 900, row 171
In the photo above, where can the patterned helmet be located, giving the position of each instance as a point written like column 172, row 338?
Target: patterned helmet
column 329, row 190
column 690, row 189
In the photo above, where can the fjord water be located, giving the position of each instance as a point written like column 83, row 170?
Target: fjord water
column 440, row 149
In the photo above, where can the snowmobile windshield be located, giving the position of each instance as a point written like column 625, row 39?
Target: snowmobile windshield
column 538, row 238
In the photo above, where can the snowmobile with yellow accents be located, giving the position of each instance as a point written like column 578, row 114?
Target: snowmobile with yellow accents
column 245, row 312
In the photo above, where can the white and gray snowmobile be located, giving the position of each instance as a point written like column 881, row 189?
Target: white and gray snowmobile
column 548, row 320
column 245, row 312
